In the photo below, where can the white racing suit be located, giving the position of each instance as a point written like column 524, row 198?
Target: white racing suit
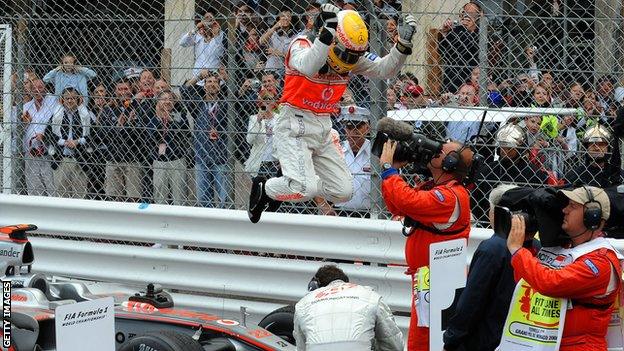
column 302, row 143
column 345, row 316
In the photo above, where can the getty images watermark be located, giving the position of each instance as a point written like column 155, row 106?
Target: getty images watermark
column 6, row 314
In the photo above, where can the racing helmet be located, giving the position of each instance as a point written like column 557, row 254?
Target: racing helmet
column 511, row 136
column 597, row 134
column 350, row 43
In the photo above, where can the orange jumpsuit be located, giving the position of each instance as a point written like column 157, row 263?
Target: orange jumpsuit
column 588, row 282
column 445, row 207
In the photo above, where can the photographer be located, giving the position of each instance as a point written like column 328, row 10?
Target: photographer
column 207, row 40
column 477, row 325
column 459, row 46
column 277, row 39
column 440, row 210
column 587, row 276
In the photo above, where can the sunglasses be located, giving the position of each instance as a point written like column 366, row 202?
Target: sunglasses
column 469, row 15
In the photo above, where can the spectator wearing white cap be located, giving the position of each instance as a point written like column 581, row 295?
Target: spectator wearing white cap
column 357, row 152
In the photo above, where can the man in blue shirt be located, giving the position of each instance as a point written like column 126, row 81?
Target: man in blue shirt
column 70, row 75
column 482, row 307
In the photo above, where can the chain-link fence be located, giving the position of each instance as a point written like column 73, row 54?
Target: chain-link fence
column 173, row 101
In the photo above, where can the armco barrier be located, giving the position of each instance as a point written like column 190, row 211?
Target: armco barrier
column 217, row 281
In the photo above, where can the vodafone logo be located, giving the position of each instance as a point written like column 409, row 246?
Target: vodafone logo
column 327, row 93
column 227, row 322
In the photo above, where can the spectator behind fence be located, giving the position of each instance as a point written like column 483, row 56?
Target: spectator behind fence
column 253, row 56
column 71, row 124
column 393, row 102
column 605, row 94
column 161, row 85
column 207, row 42
column 357, row 154
column 277, row 38
column 541, row 96
column 462, row 131
column 260, row 136
column 512, row 166
column 477, row 322
column 574, row 96
column 37, row 162
column 339, row 315
column 248, row 91
column 435, row 211
column 312, row 11
column 69, row 74
column 596, row 167
column 584, row 279
column 459, row 47
column 392, row 33
column 167, row 143
column 210, row 139
column 146, row 86
column 123, row 172
column 141, row 111
column 95, row 166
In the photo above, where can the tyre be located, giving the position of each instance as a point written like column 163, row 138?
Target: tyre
column 164, row 340
column 281, row 323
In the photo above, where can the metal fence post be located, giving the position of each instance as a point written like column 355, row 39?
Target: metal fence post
column 377, row 38
column 483, row 60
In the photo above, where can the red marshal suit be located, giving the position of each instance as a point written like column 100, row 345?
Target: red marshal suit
column 445, row 208
column 591, row 282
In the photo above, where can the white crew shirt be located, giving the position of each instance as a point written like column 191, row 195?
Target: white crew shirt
column 360, row 168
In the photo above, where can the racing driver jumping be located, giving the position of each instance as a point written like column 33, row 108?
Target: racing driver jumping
column 317, row 73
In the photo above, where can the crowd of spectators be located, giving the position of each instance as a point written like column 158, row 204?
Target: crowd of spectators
column 138, row 138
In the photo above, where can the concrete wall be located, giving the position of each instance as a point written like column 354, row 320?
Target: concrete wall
column 607, row 53
column 429, row 14
column 178, row 20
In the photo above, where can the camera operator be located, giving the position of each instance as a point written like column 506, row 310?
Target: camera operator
column 441, row 211
column 587, row 275
column 482, row 307
column 339, row 315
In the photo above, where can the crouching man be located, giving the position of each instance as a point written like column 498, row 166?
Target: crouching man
column 337, row 315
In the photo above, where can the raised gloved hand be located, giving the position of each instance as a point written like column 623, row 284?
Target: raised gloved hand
column 327, row 22
column 406, row 32
column 329, row 15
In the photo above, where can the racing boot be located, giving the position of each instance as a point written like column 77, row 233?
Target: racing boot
column 273, row 205
column 258, row 199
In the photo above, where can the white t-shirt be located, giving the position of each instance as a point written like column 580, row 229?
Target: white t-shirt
column 39, row 120
column 279, row 43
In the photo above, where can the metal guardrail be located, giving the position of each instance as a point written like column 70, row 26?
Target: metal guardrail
column 219, row 281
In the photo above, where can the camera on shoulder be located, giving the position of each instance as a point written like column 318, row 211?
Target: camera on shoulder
column 412, row 147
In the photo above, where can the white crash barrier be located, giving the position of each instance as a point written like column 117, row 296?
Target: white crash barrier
column 211, row 280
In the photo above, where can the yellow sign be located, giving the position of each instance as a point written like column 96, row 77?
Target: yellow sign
column 534, row 321
column 422, row 279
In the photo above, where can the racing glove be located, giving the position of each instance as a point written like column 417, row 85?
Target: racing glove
column 406, row 32
column 328, row 20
